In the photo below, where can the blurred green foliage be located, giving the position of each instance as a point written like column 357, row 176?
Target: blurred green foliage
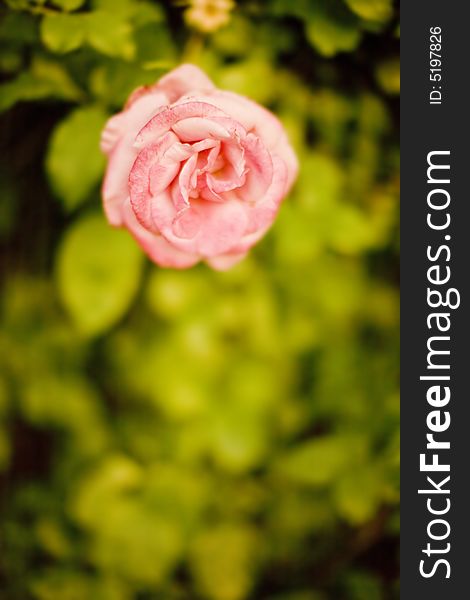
column 199, row 435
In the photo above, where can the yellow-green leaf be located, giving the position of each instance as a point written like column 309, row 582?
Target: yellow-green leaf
column 332, row 28
column 68, row 4
column 110, row 34
column 74, row 162
column 98, row 273
column 63, row 33
column 372, row 10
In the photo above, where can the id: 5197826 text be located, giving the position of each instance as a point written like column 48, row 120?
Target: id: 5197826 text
column 435, row 65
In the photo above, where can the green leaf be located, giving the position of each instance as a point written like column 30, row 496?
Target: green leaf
column 18, row 28
column 387, row 74
column 68, row 5
column 74, row 162
column 223, row 560
column 121, row 6
column 357, row 494
column 46, row 79
column 332, row 29
column 144, row 13
column 56, row 75
column 110, row 34
column 113, row 81
column 362, row 585
column 98, row 273
column 140, row 13
column 25, row 87
column 18, row 4
column 62, row 32
column 321, row 460
column 372, row 10
column 353, row 232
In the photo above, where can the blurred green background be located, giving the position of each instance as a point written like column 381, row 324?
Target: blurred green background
column 199, row 435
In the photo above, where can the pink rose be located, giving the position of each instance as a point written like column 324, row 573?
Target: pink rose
column 195, row 173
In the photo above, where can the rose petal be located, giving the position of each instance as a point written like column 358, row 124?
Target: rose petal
column 227, row 124
column 131, row 120
column 113, row 130
column 235, row 154
column 228, row 176
column 194, row 129
column 284, row 150
column 207, row 194
column 187, row 224
column 115, row 190
column 257, row 119
column 221, row 225
column 223, row 262
column 166, row 119
column 118, row 142
column 156, row 246
column 259, row 166
column 138, row 93
column 182, row 187
column 225, row 180
column 221, row 186
column 251, row 115
column 150, row 175
column 184, row 79
column 180, row 152
column 212, row 158
column 263, row 213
